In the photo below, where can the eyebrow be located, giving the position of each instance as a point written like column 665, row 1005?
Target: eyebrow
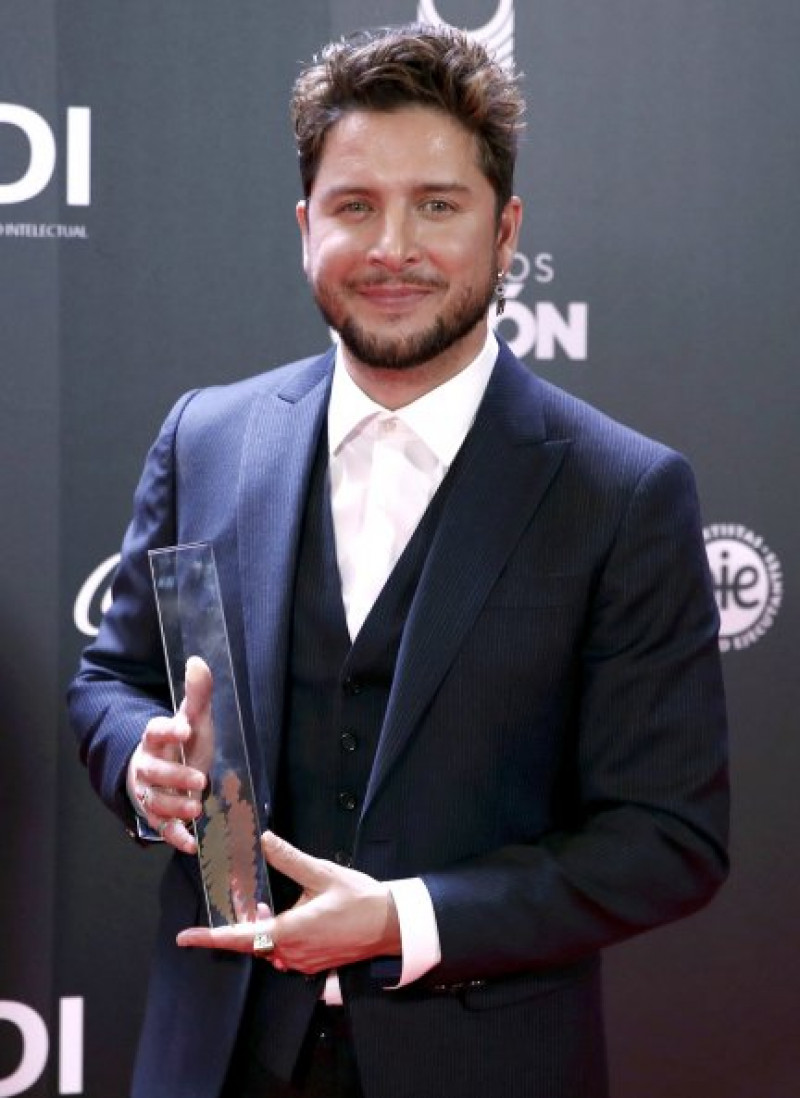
column 440, row 187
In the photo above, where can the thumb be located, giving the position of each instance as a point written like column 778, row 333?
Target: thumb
column 311, row 873
column 196, row 714
column 199, row 687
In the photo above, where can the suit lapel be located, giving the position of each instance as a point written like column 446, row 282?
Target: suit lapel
column 499, row 478
column 282, row 435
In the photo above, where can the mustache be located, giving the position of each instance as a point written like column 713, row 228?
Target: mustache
column 406, row 282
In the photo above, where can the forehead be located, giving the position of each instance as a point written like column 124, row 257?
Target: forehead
column 398, row 144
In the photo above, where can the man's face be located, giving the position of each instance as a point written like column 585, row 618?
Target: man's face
column 401, row 239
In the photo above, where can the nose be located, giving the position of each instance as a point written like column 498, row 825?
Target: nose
column 395, row 245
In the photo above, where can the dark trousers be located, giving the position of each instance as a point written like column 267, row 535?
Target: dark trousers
column 326, row 1067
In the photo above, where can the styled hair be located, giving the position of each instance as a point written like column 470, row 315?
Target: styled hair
column 415, row 65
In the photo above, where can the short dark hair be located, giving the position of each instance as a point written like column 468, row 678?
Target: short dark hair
column 414, row 65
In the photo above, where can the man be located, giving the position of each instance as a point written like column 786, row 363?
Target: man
column 475, row 637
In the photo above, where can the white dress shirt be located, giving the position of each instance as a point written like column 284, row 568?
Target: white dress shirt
column 385, row 467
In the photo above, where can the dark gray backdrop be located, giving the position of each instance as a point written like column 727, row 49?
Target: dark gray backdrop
column 659, row 264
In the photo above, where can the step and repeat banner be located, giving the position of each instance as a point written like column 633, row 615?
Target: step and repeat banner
column 148, row 245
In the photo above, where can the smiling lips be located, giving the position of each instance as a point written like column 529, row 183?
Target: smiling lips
column 392, row 294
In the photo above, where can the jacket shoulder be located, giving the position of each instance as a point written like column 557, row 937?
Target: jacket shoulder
column 599, row 442
column 601, row 453
column 218, row 402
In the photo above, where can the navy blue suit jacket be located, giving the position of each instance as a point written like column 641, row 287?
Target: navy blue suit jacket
column 553, row 757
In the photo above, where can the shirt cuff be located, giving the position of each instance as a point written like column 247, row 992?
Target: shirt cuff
column 419, row 933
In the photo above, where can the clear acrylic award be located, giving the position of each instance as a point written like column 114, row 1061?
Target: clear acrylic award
column 192, row 623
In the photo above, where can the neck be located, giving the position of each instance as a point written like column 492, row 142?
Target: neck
column 395, row 388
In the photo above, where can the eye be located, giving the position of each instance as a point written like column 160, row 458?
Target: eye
column 353, row 207
column 438, row 207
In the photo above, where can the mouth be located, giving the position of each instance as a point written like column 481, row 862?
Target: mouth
column 395, row 296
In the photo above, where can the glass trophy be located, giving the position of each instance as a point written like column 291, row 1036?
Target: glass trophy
column 193, row 628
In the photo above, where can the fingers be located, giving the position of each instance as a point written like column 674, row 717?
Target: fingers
column 165, row 736
column 176, row 833
column 167, row 772
column 343, row 916
column 313, row 874
column 235, row 939
column 166, row 792
column 173, row 781
column 243, row 938
column 166, row 812
column 161, row 803
column 157, row 761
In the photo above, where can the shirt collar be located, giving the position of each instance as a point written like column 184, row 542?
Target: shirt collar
column 440, row 418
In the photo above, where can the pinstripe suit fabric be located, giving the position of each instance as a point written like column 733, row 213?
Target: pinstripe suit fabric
column 552, row 760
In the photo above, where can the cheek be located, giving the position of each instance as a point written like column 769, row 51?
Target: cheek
column 463, row 255
column 330, row 257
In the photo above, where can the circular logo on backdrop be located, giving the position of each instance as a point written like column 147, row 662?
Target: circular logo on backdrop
column 497, row 35
column 748, row 583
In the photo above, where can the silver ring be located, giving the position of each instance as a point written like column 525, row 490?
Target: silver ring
column 162, row 827
column 263, row 946
column 145, row 797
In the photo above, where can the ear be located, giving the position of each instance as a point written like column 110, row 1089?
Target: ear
column 301, row 213
column 508, row 232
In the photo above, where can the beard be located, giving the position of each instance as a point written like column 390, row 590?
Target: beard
column 386, row 352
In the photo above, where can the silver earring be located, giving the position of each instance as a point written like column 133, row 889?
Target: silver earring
column 500, row 294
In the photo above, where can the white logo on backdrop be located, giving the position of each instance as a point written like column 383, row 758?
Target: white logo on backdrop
column 42, row 156
column 497, row 35
column 35, row 1045
column 541, row 327
column 748, row 583
column 94, row 597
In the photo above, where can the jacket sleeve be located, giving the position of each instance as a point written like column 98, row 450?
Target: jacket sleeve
column 122, row 682
column 648, row 769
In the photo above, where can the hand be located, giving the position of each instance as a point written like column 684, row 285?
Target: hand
column 342, row 916
column 167, row 788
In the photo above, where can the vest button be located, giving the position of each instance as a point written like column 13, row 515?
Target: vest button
column 341, row 857
column 351, row 686
column 349, row 741
column 347, row 801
